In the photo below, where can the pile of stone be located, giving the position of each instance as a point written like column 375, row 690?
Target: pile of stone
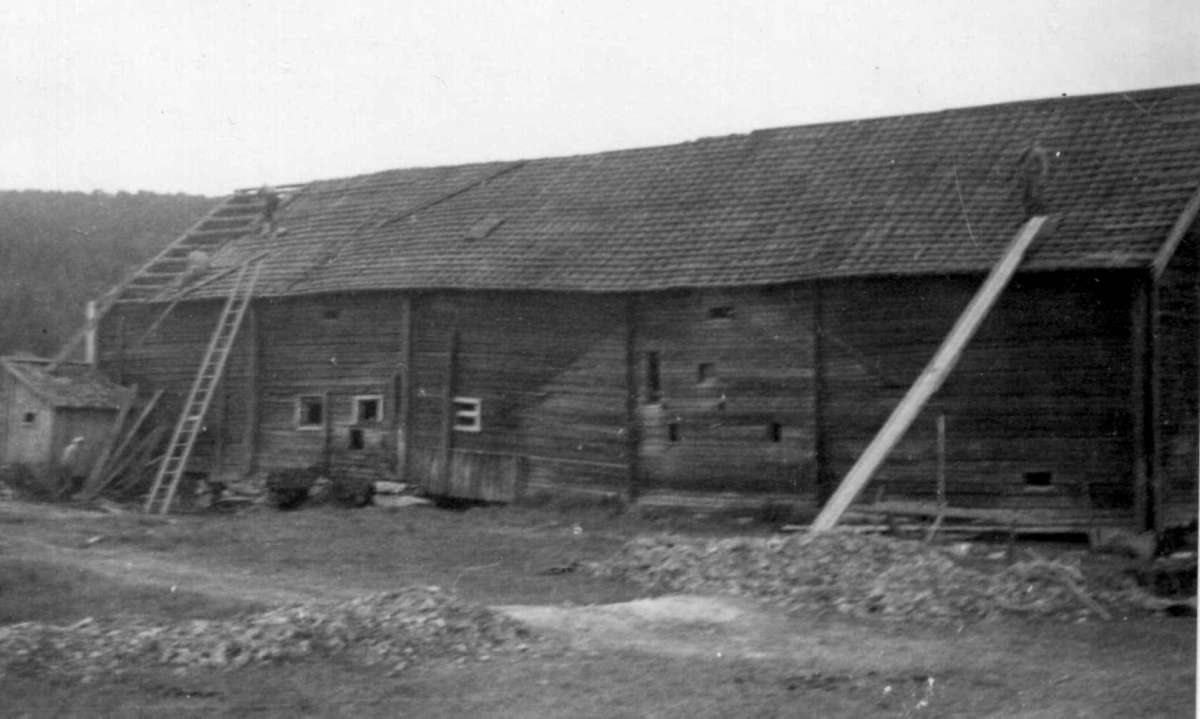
column 866, row 575
column 392, row 629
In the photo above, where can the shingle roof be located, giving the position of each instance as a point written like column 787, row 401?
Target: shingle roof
column 70, row 385
column 929, row 193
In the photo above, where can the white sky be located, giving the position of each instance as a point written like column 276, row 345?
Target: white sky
column 209, row 95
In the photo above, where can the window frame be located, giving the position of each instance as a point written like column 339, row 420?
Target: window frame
column 468, row 418
column 301, row 414
column 357, row 405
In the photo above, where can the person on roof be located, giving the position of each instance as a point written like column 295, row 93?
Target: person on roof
column 270, row 200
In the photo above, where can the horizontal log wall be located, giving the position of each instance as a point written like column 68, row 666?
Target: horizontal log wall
column 1179, row 330
column 733, row 407
column 1041, row 392
column 548, row 370
column 337, row 346
column 169, row 359
column 1045, row 387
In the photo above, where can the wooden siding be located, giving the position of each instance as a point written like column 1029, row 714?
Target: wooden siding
column 548, row 370
column 760, row 392
column 338, row 346
column 168, row 360
column 1178, row 326
column 21, row 441
column 733, row 408
column 1044, row 387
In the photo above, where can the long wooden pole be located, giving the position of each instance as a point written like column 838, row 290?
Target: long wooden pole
column 931, row 378
column 633, row 425
column 1182, row 223
column 447, row 438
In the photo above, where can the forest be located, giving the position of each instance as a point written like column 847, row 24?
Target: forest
column 60, row 249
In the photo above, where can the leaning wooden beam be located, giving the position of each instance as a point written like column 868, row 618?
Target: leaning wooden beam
column 94, row 487
column 931, row 378
column 1175, row 236
column 110, row 440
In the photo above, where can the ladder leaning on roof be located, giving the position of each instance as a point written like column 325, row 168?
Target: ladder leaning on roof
column 212, row 366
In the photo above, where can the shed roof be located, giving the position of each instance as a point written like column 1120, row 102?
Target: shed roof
column 71, row 385
column 938, row 192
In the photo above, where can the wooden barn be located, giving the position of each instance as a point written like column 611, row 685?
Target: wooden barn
column 43, row 413
column 718, row 322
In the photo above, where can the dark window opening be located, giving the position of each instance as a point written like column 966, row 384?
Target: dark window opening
column 653, row 378
column 332, row 314
column 356, row 439
column 722, row 312
column 368, row 410
column 673, row 431
column 1038, row 479
column 775, row 432
column 311, row 411
column 706, row 372
column 29, row 418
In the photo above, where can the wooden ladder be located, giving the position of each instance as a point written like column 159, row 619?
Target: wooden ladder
column 166, row 480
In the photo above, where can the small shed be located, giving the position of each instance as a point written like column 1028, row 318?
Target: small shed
column 42, row 413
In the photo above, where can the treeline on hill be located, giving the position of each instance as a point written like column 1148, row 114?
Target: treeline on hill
column 60, row 249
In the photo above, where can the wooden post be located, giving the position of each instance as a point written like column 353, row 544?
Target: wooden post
column 633, row 425
column 403, row 408
column 253, row 391
column 327, row 431
column 1154, row 440
column 931, row 378
column 448, row 414
column 820, row 431
column 941, row 460
column 91, row 321
column 1139, row 344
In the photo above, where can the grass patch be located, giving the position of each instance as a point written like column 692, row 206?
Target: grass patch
column 37, row 591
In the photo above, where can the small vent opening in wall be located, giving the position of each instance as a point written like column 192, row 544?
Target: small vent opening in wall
column 775, row 432
column 673, row 431
column 721, row 312
column 1039, row 479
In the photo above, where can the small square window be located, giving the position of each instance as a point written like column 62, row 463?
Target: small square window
column 468, row 414
column 356, row 439
column 706, row 372
column 723, row 312
column 368, row 409
column 653, row 378
column 310, row 411
column 1039, row 479
column 29, row 418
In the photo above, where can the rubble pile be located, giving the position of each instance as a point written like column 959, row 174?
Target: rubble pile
column 865, row 575
column 392, row 629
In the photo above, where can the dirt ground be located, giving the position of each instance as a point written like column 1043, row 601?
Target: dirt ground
column 607, row 649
